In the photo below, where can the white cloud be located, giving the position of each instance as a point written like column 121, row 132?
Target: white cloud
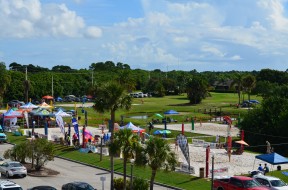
column 30, row 18
column 94, row 32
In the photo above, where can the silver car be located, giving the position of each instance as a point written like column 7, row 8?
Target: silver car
column 273, row 183
column 12, row 168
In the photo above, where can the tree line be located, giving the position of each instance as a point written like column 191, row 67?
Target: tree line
column 23, row 82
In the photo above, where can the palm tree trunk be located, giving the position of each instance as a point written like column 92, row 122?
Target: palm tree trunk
column 239, row 96
column 125, row 171
column 112, row 156
column 152, row 179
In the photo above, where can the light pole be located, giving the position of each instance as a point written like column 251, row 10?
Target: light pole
column 101, row 150
column 212, row 173
column 131, row 181
column 33, row 126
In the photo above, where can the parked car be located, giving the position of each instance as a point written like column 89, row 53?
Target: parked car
column 44, row 187
column 3, row 137
column 273, row 183
column 77, row 185
column 12, row 168
column 9, row 185
column 237, row 183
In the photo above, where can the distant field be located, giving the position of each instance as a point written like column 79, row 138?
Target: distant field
column 180, row 103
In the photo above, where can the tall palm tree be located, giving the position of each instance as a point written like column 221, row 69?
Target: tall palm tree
column 126, row 141
column 26, row 84
column 238, row 85
column 111, row 97
column 159, row 156
column 249, row 82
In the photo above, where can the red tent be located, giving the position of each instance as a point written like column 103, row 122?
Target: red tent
column 48, row 97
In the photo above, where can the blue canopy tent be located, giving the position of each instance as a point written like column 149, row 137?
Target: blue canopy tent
column 170, row 112
column 272, row 158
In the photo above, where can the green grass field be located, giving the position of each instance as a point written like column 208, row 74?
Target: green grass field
column 224, row 101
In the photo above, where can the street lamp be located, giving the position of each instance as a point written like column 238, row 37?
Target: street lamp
column 131, row 181
column 101, row 150
column 212, row 173
column 33, row 126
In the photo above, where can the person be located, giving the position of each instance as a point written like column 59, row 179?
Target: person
column 266, row 169
column 68, row 140
column 260, row 168
column 65, row 136
column 75, row 138
column 268, row 151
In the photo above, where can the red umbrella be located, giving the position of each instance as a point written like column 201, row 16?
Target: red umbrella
column 48, row 97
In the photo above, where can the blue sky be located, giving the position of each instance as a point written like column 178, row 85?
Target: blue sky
column 206, row 35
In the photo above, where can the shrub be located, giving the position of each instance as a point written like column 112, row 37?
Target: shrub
column 119, row 183
column 140, row 184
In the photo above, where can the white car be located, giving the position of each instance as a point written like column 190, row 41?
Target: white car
column 273, row 183
column 8, row 185
column 12, row 168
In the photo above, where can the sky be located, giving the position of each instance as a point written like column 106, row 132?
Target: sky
column 206, row 35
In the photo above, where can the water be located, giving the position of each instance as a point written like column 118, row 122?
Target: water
column 138, row 117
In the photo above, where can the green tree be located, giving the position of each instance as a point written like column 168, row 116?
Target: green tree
column 111, row 97
column 42, row 152
column 5, row 81
column 197, row 89
column 127, row 142
column 19, row 152
column 268, row 122
column 249, row 83
column 238, row 85
column 159, row 156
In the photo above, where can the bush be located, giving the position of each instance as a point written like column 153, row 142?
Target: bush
column 140, row 184
column 119, row 184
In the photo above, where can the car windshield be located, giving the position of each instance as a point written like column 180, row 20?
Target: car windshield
column 13, row 188
column 250, row 183
column 277, row 183
column 15, row 164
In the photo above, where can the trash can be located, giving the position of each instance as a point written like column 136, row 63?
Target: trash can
column 278, row 168
column 201, row 172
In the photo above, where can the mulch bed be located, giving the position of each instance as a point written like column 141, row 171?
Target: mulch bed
column 42, row 172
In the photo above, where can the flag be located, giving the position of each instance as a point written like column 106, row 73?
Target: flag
column 183, row 144
column 26, row 118
column 60, row 123
column 75, row 125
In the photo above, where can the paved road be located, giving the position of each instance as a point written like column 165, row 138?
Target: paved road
column 69, row 171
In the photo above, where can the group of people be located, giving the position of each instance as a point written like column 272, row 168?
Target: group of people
column 264, row 169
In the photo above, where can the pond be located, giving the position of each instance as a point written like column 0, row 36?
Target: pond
column 138, row 117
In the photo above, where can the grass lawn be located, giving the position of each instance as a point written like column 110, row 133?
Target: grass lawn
column 224, row 101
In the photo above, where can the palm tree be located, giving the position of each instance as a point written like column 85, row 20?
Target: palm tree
column 111, row 97
column 26, row 84
column 238, row 84
column 126, row 141
column 249, row 82
column 159, row 156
